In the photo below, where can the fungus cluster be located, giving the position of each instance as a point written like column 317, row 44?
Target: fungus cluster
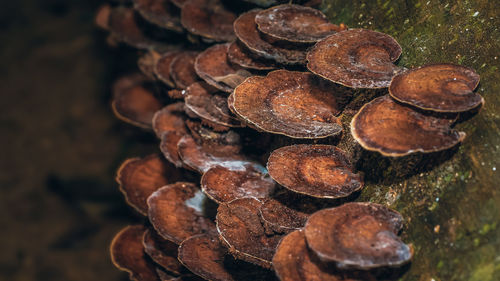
column 222, row 83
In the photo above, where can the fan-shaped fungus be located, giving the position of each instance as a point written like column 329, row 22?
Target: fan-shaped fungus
column 437, row 87
column 159, row 12
column 295, row 104
column 162, row 68
column 358, row 235
column 176, row 211
column 242, row 232
column 168, row 147
column 139, row 178
column 182, row 69
column 127, row 254
column 238, row 180
column 295, row 23
column 133, row 101
column 246, row 30
column 393, row 129
column 209, row 19
column 356, row 58
column 293, row 261
column 210, row 105
column 146, row 63
column 322, row 171
column 240, row 55
column 162, row 251
column 213, row 66
column 170, row 118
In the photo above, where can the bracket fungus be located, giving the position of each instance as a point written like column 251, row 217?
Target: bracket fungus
column 147, row 62
column 241, row 230
column 224, row 183
column 163, row 252
column 356, row 58
column 247, row 32
column 162, row 68
column 134, row 101
column 322, row 171
column 295, row 23
column 170, row 118
column 168, row 147
column 160, row 12
column 294, row 261
column 393, row 129
column 139, row 178
column 210, row 105
column 294, row 104
column 213, row 66
column 240, row 55
column 182, row 69
column 437, row 87
column 177, row 212
column 358, row 235
column 209, row 19
column 127, row 254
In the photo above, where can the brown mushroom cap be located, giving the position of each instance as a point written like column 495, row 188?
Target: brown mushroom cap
column 202, row 157
column 170, row 118
column 159, row 12
column 127, row 254
column 358, row 235
column 123, row 23
column 209, row 19
column 162, row 68
column 162, row 251
column 295, row 104
column 240, row 55
column 238, row 180
column 293, row 261
column 213, row 66
column 134, row 102
column 146, row 63
column 322, row 171
column 246, row 30
column 241, row 230
column 139, row 178
column 438, row 87
column 168, row 147
column 356, row 58
column 177, row 212
column 393, row 129
column 204, row 255
column 182, row 69
column 295, row 23
column 209, row 104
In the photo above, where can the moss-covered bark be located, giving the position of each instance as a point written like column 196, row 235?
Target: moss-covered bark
column 453, row 209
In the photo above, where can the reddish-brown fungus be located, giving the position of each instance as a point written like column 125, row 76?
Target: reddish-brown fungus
column 322, row 171
column 238, row 180
column 295, row 23
column 182, row 69
column 356, row 58
column 358, row 235
column 295, row 104
column 209, row 19
column 159, row 12
column 213, row 66
column 162, row 251
column 170, row 118
column 293, row 261
column 168, row 147
column 393, row 129
column 209, row 104
column 139, row 178
column 177, row 212
column 147, row 62
column 241, row 230
column 162, row 68
column 240, row 55
column 438, row 87
column 127, row 254
column 246, row 30
column 134, row 102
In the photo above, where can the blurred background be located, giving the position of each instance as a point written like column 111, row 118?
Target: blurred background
column 61, row 145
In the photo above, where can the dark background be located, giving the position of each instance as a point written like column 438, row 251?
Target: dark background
column 60, row 143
